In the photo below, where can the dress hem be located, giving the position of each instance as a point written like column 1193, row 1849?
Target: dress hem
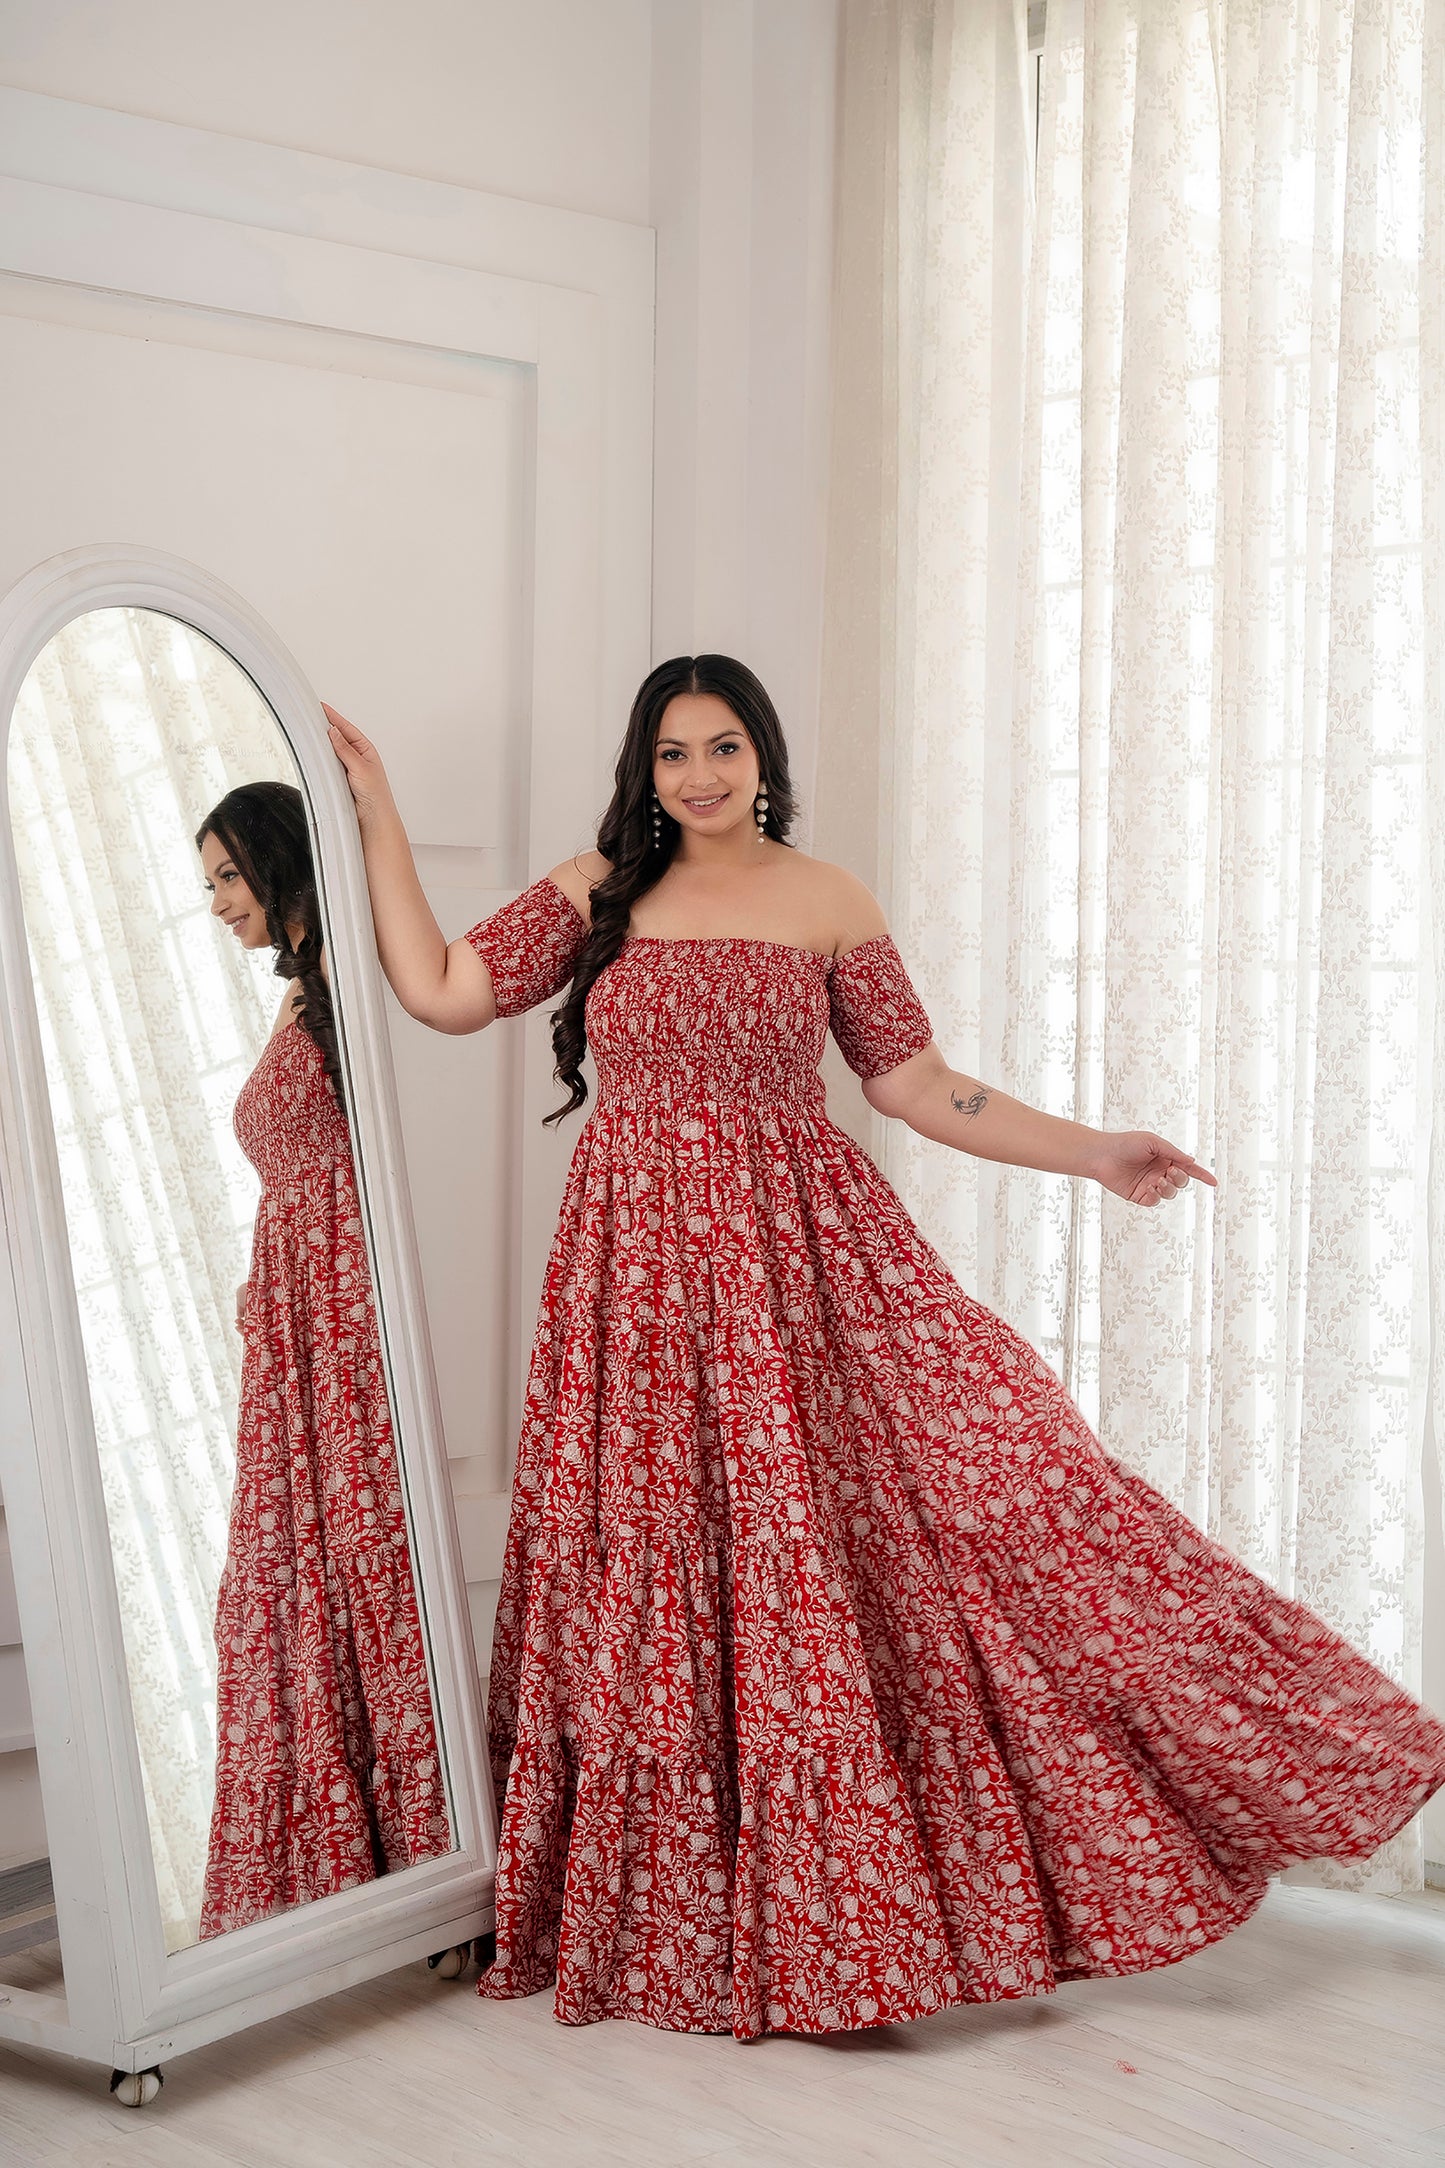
column 906, row 2012
column 1225, row 1915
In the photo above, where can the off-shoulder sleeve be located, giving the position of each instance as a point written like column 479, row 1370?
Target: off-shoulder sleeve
column 877, row 1018
column 530, row 946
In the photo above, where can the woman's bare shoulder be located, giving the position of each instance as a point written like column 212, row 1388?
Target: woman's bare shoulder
column 851, row 909
column 577, row 877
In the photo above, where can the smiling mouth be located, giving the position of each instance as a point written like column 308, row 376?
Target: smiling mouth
column 704, row 805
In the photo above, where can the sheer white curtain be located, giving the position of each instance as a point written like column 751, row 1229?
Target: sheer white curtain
column 128, row 730
column 1159, row 668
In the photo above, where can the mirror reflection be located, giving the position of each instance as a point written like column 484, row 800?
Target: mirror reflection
column 272, row 1627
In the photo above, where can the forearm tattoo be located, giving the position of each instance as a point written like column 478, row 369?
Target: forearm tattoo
column 974, row 1104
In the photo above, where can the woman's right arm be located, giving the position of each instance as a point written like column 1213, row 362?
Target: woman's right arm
column 444, row 984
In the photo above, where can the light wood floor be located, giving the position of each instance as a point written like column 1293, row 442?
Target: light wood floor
column 1314, row 2035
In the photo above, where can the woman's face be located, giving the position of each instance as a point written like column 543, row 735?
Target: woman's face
column 231, row 900
column 704, row 765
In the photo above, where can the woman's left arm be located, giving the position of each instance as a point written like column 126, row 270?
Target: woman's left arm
column 951, row 1108
column 886, row 1036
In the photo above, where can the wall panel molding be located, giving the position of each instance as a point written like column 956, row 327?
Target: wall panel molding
column 115, row 224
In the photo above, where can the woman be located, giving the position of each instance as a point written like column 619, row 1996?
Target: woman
column 326, row 1767
column 840, row 1675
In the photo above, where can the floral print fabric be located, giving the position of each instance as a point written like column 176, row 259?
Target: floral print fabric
column 530, row 946
column 840, row 1675
column 327, row 1770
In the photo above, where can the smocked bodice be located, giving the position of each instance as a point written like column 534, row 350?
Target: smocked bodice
column 287, row 1119
column 721, row 1018
column 678, row 1021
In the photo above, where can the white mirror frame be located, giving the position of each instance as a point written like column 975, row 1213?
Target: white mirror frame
column 126, row 2002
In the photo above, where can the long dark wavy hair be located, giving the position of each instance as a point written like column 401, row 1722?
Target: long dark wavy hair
column 624, row 835
column 264, row 830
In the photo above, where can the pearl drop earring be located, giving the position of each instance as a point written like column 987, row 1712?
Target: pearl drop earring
column 656, row 820
column 760, row 814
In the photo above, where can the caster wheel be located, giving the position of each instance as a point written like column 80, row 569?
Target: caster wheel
column 484, row 1949
column 133, row 2088
column 450, row 1964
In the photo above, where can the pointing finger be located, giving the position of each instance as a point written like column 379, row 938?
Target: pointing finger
column 1180, row 1163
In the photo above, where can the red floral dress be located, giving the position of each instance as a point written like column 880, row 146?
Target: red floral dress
column 840, row 1674
column 327, row 1771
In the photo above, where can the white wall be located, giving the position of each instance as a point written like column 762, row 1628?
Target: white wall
column 543, row 99
column 743, row 116
column 711, row 119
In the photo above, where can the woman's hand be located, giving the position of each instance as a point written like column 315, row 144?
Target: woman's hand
column 362, row 762
column 1145, row 1169
column 241, row 1293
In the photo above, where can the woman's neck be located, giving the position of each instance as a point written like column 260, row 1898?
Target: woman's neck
column 721, row 854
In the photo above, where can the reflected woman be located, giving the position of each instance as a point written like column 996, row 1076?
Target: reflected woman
column 327, row 1772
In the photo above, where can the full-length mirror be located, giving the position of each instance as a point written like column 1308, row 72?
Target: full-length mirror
column 274, row 1630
